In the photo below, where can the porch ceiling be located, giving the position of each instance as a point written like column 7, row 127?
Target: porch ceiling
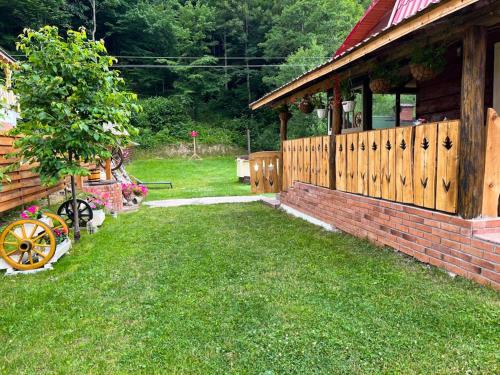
column 371, row 44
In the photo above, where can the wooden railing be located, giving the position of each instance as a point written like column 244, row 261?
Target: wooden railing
column 416, row 165
column 307, row 160
column 265, row 172
column 24, row 186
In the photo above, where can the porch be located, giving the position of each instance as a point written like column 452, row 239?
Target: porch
column 431, row 189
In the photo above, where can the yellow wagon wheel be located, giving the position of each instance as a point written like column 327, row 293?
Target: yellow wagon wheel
column 58, row 222
column 27, row 244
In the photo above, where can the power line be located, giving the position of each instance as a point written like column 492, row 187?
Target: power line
column 208, row 66
column 200, row 57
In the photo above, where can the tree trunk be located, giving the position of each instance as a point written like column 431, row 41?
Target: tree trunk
column 249, row 147
column 76, row 219
column 246, row 54
column 94, row 19
column 225, row 60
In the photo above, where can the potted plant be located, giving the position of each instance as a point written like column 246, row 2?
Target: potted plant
column 139, row 192
column 427, row 63
column 384, row 77
column 321, row 110
column 33, row 213
column 63, row 243
column 98, row 202
column 348, row 96
column 127, row 191
column 306, row 105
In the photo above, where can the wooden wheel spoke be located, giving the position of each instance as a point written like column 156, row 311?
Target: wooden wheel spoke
column 36, row 239
column 11, row 252
column 40, row 253
column 19, row 260
column 15, row 235
column 11, row 243
column 30, row 257
column 42, row 244
column 23, row 230
column 33, row 231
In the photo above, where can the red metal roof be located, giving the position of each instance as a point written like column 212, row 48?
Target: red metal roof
column 380, row 15
column 372, row 22
column 407, row 8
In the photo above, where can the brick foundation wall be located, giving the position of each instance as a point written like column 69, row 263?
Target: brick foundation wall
column 442, row 240
column 114, row 191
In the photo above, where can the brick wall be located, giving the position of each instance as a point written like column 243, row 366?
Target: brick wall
column 114, row 191
column 439, row 239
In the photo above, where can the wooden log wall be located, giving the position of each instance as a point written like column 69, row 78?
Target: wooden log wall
column 440, row 97
column 25, row 186
column 307, row 160
column 415, row 165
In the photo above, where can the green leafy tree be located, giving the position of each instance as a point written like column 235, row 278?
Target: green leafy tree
column 73, row 105
column 301, row 21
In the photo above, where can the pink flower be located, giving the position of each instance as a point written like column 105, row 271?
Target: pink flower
column 24, row 215
column 32, row 209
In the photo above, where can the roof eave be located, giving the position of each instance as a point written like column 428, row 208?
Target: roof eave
column 369, row 45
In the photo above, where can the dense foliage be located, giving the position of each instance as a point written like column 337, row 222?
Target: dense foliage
column 207, row 53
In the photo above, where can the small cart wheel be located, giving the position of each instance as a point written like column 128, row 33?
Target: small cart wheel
column 57, row 221
column 27, row 244
column 84, row 212
column 116, row 159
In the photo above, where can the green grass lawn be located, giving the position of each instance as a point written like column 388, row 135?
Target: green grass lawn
column 210, row 177
column 242, row 289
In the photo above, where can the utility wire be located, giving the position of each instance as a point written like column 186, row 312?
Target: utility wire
column 200, row 57
column 207, row 66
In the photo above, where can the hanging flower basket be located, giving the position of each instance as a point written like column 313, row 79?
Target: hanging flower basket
column 380, row 86
column 306, row 105
column 321, row 112
column 348, row 105
column 422, row 73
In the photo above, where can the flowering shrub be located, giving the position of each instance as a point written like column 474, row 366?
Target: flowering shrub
column 61, row 234
column 32, row 212
column 135, row 189
column 99, row 201
column 140, row 190
column 127, row 190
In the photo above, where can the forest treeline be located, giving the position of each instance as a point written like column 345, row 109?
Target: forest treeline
column 198, row 64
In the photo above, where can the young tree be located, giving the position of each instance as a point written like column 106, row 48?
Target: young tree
column 70, row 98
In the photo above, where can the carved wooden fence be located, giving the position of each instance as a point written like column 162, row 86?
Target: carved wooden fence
column 307, row 160
column 24, row 185
column 265, row 172
column 416, row 165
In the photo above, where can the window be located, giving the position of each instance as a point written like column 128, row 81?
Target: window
column 385, row 110
column 353, row 117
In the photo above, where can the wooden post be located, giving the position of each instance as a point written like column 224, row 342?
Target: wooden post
column 336, row 105
column 107, row 168
column 285, row 115
column 472, row 129
column 336, row 108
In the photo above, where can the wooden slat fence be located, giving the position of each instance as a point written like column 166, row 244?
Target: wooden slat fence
column 416, row 165
column 307, row 160
column 266, row 172
column 24, row 186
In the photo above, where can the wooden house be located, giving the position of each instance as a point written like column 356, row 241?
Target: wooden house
column 424, row 178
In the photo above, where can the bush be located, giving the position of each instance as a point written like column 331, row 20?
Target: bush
column 166, row 121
